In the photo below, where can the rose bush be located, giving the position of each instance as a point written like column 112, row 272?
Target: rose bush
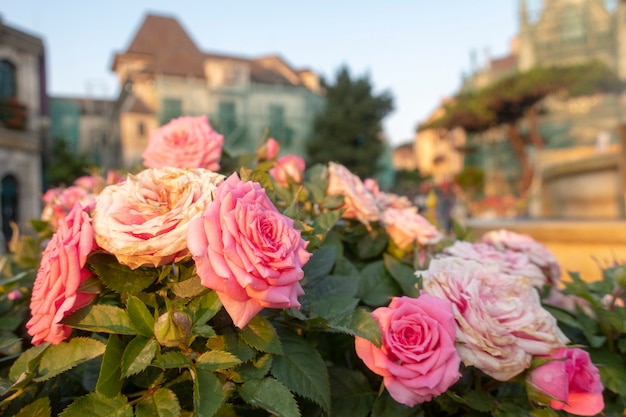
column 239, row 294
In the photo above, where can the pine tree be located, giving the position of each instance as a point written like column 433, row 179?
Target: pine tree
column 349, row 128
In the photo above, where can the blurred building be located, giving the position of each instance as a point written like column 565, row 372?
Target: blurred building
column 164, row 75
column 85, row 125
column 23, row 120
column 403, row 157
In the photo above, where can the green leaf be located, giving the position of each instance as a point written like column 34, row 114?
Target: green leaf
column 204, row 308
column 66, row 355
column 140, row 316
column 121, row 278
column 38, row 408
column 403, row 274
column 361, row 323
column 320, row 263
column 330, row 308
column 612, row 370
column 138, row 355
column 333, row 201
column 101, row 318
column 480, row 400
column 216, row 359
column 261, row 335
column 204, row 330
column 171, row 360
column 543, row 412
column 109, row 381
column 231, row 341
column 207, row 393
column 270, row 395
column 325, row 221
column 372, row 244
column 385, row 406
column 27, row 362
column 352, row 394
column 97, row 405
column 303, row 370
column 162, row 403
column 254, row 369
column 376, row 287
column 189, row 288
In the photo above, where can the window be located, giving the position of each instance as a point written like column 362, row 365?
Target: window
column 9, row 205
column 141, row 129
column 171, row 108
column 8, row 79
column 226, row 117
column 277, row 126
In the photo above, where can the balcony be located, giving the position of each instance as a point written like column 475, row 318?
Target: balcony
column 12, row 114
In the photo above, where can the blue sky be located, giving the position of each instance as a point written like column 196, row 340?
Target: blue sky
column 417, row 49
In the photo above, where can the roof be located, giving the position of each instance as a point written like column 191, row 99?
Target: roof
column 507, row 63
column 137, row 105
column 168, row 49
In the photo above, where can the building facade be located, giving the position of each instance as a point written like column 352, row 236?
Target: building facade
column 23, row 121
column 164, row 75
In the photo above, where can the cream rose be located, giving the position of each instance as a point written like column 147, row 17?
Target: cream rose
column 406, row 226
column 144, row 220
column 359, row 202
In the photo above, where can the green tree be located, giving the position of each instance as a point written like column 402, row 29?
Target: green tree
column 511, row 99
column 348, row 130
column 64, row 165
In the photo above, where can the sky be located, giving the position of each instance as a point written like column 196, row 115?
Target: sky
column 417, row 50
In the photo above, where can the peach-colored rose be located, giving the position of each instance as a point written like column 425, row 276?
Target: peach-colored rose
column 405, row 227
column 269, row 150
column 538, row 253
column 62, row 270
column 359, row 202
column 59, row 201
column 510, row 262
column 501, row 323
column 144, row 220
column 417, row 358
column 185, row 142
column 387, row 200
column 289, row 168
column 572, row 380
column 247, row 251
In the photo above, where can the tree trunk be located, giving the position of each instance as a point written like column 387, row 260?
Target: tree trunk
column 527, row 170
column 535, row 137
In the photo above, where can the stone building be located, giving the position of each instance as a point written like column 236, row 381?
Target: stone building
column 164, row 75
column 23, row 119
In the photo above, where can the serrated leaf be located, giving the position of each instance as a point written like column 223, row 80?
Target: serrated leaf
column 403, row 274
column 204, row 307
column 140, row 316
column 138, row 355
column 320, row 263
column 372, row 244
column 329, row 308
column 376, row 287
column 101, row 318
column 27, row 362
column 66, row 355
column 189, row 288
column 233, row 343
column 270, row 395
column 361, row 323
column 385, row 406
column 38, row 408
column 109, row 381
column 351, row 393
column 612, row 370
column 303, row 370
column 204, row 330
column 480, row 400
column 121, row 278
column 254, row 369
column 216, row 359
column 97, row 405
column 207, row 393
column 171, row 360
column 325, row 221
column 162, row 403
column 261, row 335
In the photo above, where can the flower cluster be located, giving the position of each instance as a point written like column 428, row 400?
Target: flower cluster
column 286, row 290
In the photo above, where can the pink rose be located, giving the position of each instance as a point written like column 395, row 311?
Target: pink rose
column 538, row 253
column 144, row 220
column 185, row 142
column 59, row 201
column 359, row 202
column 405, row 227
column 62, row 270
column 247, row 251
column 269, row 150
column 501, row 323
column 571, row 380
column 510, row 262
column 387, row 200
column 289, row 168
column 417, row 358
